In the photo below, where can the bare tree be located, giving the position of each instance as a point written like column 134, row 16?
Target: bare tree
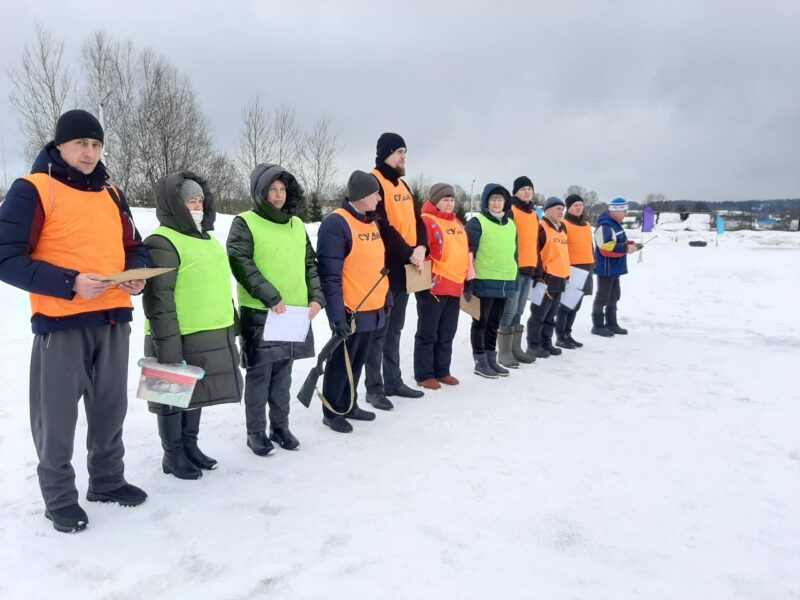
column 287, row 141
column 318, row 160
column 40, row 87
column 226, row 184
column 255, row 136
column 590, row 198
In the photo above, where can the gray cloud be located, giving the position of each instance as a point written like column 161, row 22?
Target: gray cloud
column 693, row 99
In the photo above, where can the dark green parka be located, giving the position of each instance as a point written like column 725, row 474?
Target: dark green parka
column 255, row 350
column 214, row 351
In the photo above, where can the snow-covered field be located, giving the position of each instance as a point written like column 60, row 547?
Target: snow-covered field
column 661, row 465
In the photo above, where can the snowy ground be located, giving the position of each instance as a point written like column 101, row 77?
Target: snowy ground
column 661, row 465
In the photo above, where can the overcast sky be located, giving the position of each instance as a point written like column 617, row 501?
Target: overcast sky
column 696, row 100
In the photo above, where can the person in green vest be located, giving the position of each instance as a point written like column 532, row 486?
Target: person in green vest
column 191, row 316
column 274, row 263
column 493, row 242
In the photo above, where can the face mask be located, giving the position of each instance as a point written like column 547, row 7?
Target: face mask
column 197, row 217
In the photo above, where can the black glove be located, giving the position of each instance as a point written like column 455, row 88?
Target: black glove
column 468, row 291
column 342, row 329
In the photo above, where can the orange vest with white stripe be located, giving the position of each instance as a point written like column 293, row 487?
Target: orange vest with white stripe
column 362, row 267
column 555, row 253
column 454, row 263
column 399, row 207
column 527, row 236
column 579, row 241
column 82, row 231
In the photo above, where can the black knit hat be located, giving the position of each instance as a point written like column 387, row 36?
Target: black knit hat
column 521, row 182
column 553, row 201
column 572, row 199
column 360, row 185
column 388, row 144
column 77, row 124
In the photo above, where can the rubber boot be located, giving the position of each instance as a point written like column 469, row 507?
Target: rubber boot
column 505, row 355
column 482, row 367
column 191, row 428
column 516, row 345
column 175, row 461
column 612, row 325
column 491, row 358
column 598, row 326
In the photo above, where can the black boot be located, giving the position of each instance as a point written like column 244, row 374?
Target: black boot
column 379, row 401
column 598, row 327
column 547, row 344
column 259, row 443
column 537, row 351
column 568, row 330
column 612, row 325
column 68, row 519
column 283, row 437
column 175, row 461
column 563, row 341
column 191, row 428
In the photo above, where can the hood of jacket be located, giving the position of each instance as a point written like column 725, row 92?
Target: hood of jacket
column 172, row 212
column 260, row 180
column 49, row 161
column 488, row 190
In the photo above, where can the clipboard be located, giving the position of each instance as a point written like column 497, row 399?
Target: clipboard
column 418, row 281
column 132, row 274
column 472, row 308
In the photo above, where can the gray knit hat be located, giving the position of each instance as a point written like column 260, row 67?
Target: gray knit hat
column 360, row 185
column 190, row 189
column 553, row 201
column 439, row 191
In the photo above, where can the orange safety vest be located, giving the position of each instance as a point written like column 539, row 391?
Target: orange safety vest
column 527, row 236
column 362, row 267
column 399, row 206
column 454, row 263
column 555, row 254
column 82, row 231
column 579, row 242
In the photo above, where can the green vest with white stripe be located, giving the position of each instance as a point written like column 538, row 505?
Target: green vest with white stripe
column 279, row 251
column 203, row 300
column 495, row 257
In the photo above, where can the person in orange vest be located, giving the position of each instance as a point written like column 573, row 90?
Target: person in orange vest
column 350, row 254
column 405, row 240
column 581, row 256
column 63, row 229
column 553, row 271
column 438, row 308
column 509, row 335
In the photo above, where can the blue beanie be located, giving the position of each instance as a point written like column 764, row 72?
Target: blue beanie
column 618, row 204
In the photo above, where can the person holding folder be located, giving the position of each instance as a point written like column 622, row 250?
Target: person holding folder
column 274, row 263
column 493, row 242
column 352, row 269
column 190, row 316
column 438, row 308
column 552, row 271
column 581, row 256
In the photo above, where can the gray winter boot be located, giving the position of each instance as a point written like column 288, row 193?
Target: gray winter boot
column 491, row 358
column 516, row 345
column 482, row 367
column 505, row 354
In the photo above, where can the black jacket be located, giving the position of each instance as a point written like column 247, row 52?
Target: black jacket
column 214, row 351
column 397, row 250
column 240, row 254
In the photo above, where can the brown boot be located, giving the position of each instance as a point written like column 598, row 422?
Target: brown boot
column 429, row 384
column 448, row 380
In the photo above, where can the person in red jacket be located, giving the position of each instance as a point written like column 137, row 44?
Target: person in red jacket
column 437, row 308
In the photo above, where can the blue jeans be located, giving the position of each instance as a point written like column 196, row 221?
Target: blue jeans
column 515, row 306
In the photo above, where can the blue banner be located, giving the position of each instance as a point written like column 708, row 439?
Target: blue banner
column 720, row 225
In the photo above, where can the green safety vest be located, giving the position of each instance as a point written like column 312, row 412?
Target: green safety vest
column 203, row 300
column 279, row 251
column 495, row 258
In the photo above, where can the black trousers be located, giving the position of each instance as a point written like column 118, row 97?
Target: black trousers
column 483, row 334
column 335, row 384
column 542, row 321
column 437, row 321
column 566, row 318
column 607, row 296
column 383, row 362
column 268, row 383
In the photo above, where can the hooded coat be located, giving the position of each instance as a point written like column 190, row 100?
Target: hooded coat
column 240, row 247
column 489, row 288
column 214, row 351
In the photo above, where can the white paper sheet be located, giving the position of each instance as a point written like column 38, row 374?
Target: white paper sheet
column 570, row 297
column 291, row 326
column 577, row 277
column 536, row 294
